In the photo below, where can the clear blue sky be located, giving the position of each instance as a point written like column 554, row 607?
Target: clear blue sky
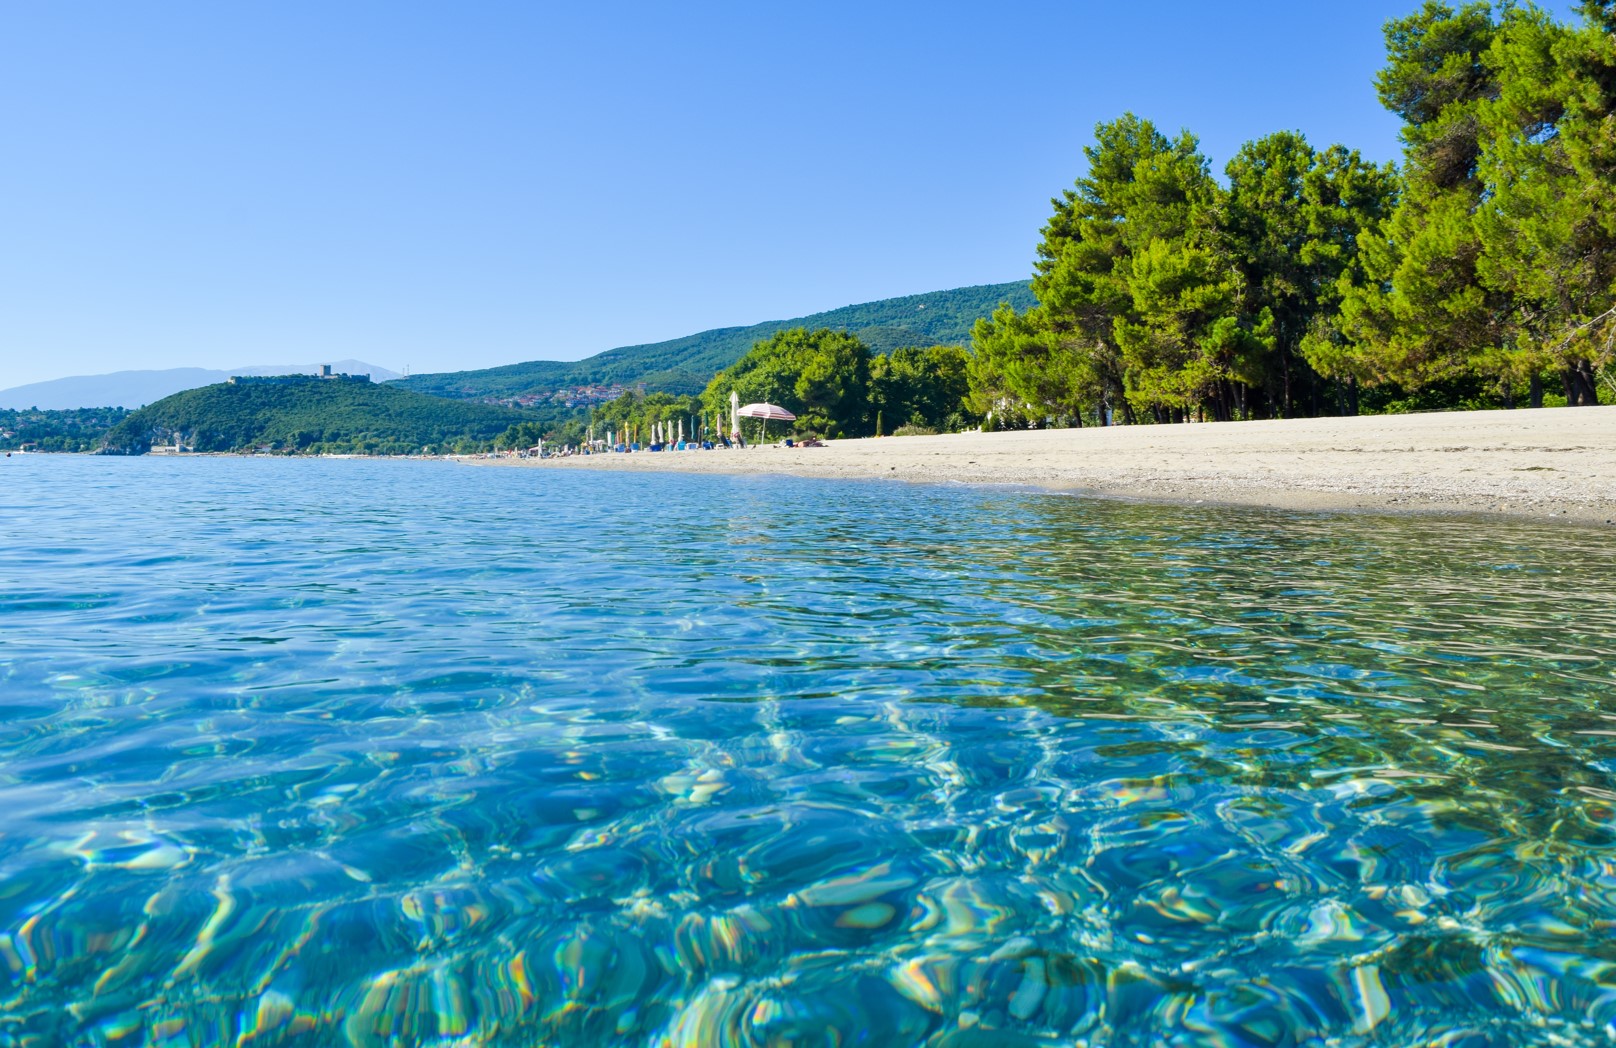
column 464, row 185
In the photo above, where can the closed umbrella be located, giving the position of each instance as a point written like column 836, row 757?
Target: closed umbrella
column 765, row 412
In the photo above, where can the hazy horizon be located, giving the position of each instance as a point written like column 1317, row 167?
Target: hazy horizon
column 441, row 189
column 422, row 371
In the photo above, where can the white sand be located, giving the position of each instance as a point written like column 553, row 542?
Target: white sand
column 1552, row 462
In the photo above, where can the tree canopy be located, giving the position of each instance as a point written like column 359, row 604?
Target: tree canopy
column 837, row 387
column 823, row 377
column 1484, row 264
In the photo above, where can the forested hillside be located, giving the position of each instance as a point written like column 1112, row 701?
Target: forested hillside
column 74, row 429
column 132, row 389
column 310, row 415
column 686, row 365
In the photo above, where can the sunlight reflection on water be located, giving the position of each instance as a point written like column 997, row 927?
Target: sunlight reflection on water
column 380, row 753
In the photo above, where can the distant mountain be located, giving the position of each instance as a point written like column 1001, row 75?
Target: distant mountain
column 307, row 414
column 131, row 389
column 686, row 365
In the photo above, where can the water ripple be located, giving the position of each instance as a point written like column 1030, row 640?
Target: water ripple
column 378, row 753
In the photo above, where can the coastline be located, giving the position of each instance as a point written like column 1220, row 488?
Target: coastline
column 1547, row 463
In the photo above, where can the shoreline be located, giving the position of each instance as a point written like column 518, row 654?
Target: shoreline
column 1545, row 464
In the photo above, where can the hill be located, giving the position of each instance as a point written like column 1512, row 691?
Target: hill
column 684, row 365
column 67, row 429
column 131, row 389
column 299, row 413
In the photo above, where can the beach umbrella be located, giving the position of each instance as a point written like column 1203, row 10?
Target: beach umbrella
column 763, row 413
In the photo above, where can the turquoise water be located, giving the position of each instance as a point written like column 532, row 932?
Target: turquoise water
column 384, row 753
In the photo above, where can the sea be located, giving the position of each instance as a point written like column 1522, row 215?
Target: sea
column 393, row 753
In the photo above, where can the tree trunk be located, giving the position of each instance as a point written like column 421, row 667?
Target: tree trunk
column 1573, row 389
column 1534, row 390
column 1581, row 387
column 1352, row 395
column 1507, row 390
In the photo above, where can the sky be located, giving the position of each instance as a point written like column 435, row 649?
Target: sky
column 449, row 186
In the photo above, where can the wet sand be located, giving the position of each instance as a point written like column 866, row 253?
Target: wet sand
column 1555, row 463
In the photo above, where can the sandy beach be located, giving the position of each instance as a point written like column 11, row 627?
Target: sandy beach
column 1556, row 463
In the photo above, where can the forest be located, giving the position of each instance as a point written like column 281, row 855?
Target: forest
column 1480, row 272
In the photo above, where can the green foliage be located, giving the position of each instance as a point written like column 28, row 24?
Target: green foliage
column 916, row 386
column 1292, row 219
column 686, row 365
column 837, row 387
column 310, row 415
column 1500, row 261
column 1143, row 299
column 822, row 377
column 73, row 429
column 1052, row 360
column 1419, row 315
column 1485, row 264
column 521, row 436
column 1186, row 343
column 1024, row 369
column 632, row 417
column 1546, row 220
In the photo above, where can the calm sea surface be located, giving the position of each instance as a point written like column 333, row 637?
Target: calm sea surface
column 385, row 753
